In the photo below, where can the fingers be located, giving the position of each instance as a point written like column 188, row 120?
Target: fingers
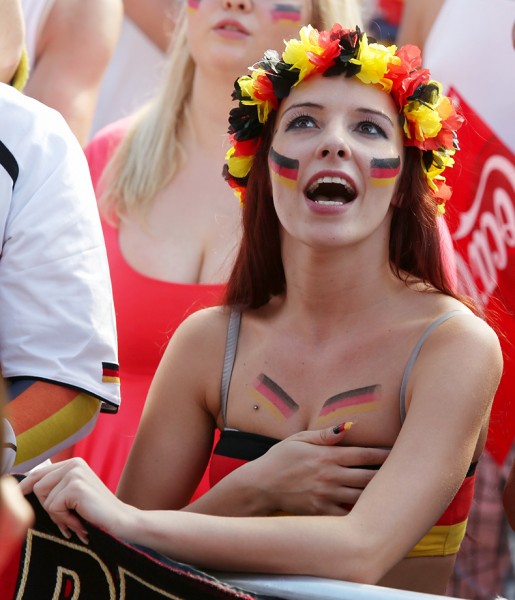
column 355, row 456
column 324, row 437
column 54, row 485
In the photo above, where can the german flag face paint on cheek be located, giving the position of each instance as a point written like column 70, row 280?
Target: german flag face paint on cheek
column 384, row 171
column 286, row 13
column 283, row 169
column 193, row 5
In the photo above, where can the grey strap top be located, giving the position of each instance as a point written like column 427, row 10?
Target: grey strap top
column 231, row 345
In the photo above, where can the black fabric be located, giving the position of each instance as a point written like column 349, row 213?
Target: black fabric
column 52, row 567
column 8, row 162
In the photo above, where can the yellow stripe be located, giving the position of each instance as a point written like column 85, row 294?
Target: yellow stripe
column 441, row 540
column 108, row 379
column 286, row 181
column 266, row 404
column 336, row 415
column 383, row 182
column 60, row 426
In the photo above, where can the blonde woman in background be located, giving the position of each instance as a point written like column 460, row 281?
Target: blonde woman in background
column 171, row 225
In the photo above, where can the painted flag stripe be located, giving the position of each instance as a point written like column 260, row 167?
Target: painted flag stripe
column 283, row 166
column 384, row 170
column 286, row 12
column 276, row 396
column 354, row 397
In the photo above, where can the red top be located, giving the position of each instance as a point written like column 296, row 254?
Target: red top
column 148, row 311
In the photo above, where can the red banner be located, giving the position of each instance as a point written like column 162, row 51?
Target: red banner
column 481, row 217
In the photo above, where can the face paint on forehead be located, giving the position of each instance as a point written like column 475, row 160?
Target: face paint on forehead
column 193, row 5
column 286, row 13
column 284, row 169
column 384, row 171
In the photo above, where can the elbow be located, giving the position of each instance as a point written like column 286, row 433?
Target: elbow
column 364, row 565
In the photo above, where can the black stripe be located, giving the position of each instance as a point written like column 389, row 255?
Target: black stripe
column 385, row 163
column 9, row 163
column 283, row 161
column 110, row 366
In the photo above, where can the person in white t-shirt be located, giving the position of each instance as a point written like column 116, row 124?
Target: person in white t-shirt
column 58, row 347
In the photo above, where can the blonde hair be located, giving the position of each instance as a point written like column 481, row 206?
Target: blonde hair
column 150, row 153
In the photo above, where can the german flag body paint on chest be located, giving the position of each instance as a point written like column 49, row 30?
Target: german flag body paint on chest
column 338, row 407
column 384, row 171
column 286, row 13
column 273, row 398
column 284, row 169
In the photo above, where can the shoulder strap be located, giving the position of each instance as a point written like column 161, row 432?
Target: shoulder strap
column 415, row 352
column 231, row 346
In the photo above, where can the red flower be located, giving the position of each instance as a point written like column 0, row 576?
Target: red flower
column 264, row 90
column 245, row 147
column 407, row 76
column 329, row 42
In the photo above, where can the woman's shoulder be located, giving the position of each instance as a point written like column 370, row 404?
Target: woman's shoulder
column 458, row 336
column 205, row 327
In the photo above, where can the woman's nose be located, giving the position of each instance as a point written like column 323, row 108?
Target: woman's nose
column 333, row 145
column 243, row 6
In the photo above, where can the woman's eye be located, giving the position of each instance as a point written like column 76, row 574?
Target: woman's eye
column 301, row 122
column 371, row 128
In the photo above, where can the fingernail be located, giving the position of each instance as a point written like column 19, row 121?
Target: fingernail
column 65, row 532
column 342, row 427
column 83, row 536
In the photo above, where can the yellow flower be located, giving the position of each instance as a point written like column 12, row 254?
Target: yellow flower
column 239, row 166
column 248, row 87
column 375, row 60
column 296, row 52
column 426, row 122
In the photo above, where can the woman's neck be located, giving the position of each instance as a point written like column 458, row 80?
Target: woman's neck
column 209, row 105
column 330, row 286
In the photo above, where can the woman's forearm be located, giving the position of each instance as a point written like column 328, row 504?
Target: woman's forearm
column 300, row 545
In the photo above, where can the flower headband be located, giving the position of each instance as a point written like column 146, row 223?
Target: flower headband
column 428, row 118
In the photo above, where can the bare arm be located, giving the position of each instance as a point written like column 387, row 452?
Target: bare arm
column 11, row 38
column 73, row 52
column 450, row 394
column 155, row 18
column 417, row 19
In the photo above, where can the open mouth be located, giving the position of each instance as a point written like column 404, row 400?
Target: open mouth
column 331, row 191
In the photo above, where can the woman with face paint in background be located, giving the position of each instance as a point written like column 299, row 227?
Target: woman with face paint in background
column 170, row 225
column 338, row 313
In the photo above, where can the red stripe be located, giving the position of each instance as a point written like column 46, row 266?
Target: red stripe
column 110, row 372
column 379, row 173
column 284, row 171
column 283, row 15
column 277, row 401
column 352, row 401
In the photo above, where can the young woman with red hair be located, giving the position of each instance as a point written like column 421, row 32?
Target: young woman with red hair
column 338, row 318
